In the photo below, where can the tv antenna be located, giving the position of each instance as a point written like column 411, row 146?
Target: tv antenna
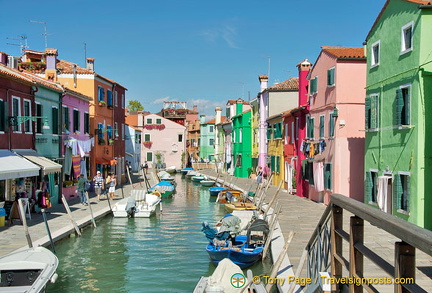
column 45, row 31
column 22, row 42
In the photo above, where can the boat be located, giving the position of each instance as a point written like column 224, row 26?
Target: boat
column 28, row 270
column 185, row 170
column 221, row 280
column 190, row 174
column 240, row 206
column 139, row 204
column 207, row 183
column 243, row 250
column 165, row 176
column 229, row 195
column 170, row 170
column 165, row 188
column 214, row 191
column 198, row 178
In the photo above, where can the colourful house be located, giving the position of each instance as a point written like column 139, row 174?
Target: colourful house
column 242, row 142
column 334, row 143
column 207, row 141
column 398, row 112
column 275, row 148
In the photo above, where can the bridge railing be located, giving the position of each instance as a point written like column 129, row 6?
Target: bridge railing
column 326, row 259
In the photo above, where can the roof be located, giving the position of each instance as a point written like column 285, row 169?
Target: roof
column 420, row 2
column 345, row 52
column 15, row 74
column 78, row 95
column 42, row 81
column 289, row 84
column 232, row 102
column 213, row 121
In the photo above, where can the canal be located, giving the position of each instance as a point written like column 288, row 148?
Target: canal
column 165, row 253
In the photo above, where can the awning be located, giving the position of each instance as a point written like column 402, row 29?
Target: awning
column 46, row 164
column 13, row 166
column 103, row 161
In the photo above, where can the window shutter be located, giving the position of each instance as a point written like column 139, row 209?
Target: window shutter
column 109, row 98
column 331, row 126
column 2, row 116
column 373, row 122
column 312, row 127
column 367, row 112
column 304, row 169
column 399, row 106
column 398, row 191
column 330, row 77
column 368, row 186
column 272, row 164
column 407, row 106
column 55, row 121
column 321, row 126
column 328, row 176
column 277, row 164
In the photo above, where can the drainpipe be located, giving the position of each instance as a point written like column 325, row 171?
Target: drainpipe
column 61, row 155
column 34, row 90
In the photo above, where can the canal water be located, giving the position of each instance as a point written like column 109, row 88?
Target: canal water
column 165, row 253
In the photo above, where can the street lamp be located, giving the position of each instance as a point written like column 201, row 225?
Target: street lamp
column 15, row 120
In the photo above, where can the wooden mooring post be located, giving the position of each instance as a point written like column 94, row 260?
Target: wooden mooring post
column 66, row 205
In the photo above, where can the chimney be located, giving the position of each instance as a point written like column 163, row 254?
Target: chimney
column 195, row 108
column 51, row 64
column 202, row 118
column 303, row 68
column 263, row 82
column 218, row 117
column 90, row 64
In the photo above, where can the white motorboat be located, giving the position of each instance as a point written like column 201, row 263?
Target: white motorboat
column 28, row 270
column 139, row 205
column 171, row 169
column 190, row 173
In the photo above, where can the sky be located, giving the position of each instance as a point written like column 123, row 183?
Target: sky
column 200, row 52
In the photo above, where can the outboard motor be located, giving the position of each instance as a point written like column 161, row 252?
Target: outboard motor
column 130, row 208
column 228, row 196
column 258, row 232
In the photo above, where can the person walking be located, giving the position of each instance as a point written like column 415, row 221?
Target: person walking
column 259, row 175
column 81, row 189
column 98, row 184
column 111, row 183
column 145, row 167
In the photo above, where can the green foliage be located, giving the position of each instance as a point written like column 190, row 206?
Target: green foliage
column 134, row 106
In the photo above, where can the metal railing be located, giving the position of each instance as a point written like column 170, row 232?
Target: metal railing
column 324, row 251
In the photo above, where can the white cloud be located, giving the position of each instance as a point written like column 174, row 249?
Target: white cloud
column 226, row 33
column 161, row 100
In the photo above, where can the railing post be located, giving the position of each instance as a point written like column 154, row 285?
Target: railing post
column 336, row 243
column 404, row 265
column 356, row 257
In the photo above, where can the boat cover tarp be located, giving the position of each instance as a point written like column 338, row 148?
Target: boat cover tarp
column 221, row 277
column 231, row 224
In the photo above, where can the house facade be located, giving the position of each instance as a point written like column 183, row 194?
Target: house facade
column 275, row 148
column 207, row 141
column 242, row 143
column 334, row 144
column 397, row 112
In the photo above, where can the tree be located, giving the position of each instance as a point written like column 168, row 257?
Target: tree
column 134, row 106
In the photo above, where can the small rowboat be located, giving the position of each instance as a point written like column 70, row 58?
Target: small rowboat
column 207, row 183
column 198, row 178
column 240, row 206
column 165, row 188
column 214, row 191
column 228, row 195
column 185, row 170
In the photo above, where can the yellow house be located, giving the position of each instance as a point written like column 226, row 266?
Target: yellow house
column 255, row 133
column 275, row 148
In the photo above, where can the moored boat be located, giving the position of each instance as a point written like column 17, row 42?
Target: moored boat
column 139, row 204
column 171, row 170
column 214, row 191
column 198, row 178
column 28, row 270
column 240, row 206
column 207, row 183
column 185, row 170
column 165, row 188
column 229, row 195
column 190, row 174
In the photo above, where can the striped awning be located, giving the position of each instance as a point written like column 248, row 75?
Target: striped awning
column 13, row 166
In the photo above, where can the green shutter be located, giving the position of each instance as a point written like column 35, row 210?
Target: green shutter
column 330, row 77
column 272, row 163
column 304, row 169
column 321, row 126
column 269, row 132
column 368, row 186
column 55, row 123
column 2, row 116
column 328, row 176
column 312, row 120
column 146, row 137
column 407, row 106
column 373, row 122
column 398, row 191
column 277, row 164
column 399, row 106
column 367, row 112
column 331, row 126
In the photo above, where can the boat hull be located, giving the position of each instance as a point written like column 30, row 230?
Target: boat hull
column 247, row 206
column 197, row 178
column 214, row 191
column 244, row 257
column 207, row 183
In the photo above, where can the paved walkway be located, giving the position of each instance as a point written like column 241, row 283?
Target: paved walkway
column 299, row 215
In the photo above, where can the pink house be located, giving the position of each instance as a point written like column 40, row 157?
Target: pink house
column 163, row 141
column 334, row 142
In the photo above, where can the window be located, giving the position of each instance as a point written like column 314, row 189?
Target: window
column 137, row 138
column 321, row 127
column 100, row 131
column 292, row 132
column 310, row 127
column 110, row 132
column 101, row 94
column 211, row 128
column 278, row 130
column 296, row 128
column 403, row 106
column 86, row 123
column 39, row 122
column 375, row 58
column 330, row 77
column 401, row 191
column 123, row 101
column 240, row 135
column 275, row 164
column 149, row 121
column 371, row 186
column 314, row 85
column 109, row 98
column 239, row 161
column 2, row 116
column 158, row 121
column 16, row 111
column 371, row 108
column 55, row 120
column 407, row 38
column 211, row 141
column 66, row 120
column 331, row 125
column 328, row 176
column 149, row 157
column 180, row 138
column 307, row 171
column 286, row 135
column 147, row 137
column 28, row 113
column 269, row 132
column 76, row 120
column 116, row 98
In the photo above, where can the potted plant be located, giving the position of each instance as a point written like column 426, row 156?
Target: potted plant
column 67, row 183
column 102, row 103
column 147, row 144
column 111, row 141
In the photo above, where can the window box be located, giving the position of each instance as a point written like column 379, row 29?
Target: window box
column 111, row 141
column 101, row 141
column 102, row 103
column 147, row 144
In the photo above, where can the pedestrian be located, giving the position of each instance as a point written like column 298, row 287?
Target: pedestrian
column 111, row 184
column 98, row 184
column 259, row 175
column 81, row 189
column 145, row 167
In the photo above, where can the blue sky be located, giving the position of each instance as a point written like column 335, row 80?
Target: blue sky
column 200, row 52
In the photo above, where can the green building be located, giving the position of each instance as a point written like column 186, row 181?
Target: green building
column 398, row 156
column 207, row 141
column 242, row 143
